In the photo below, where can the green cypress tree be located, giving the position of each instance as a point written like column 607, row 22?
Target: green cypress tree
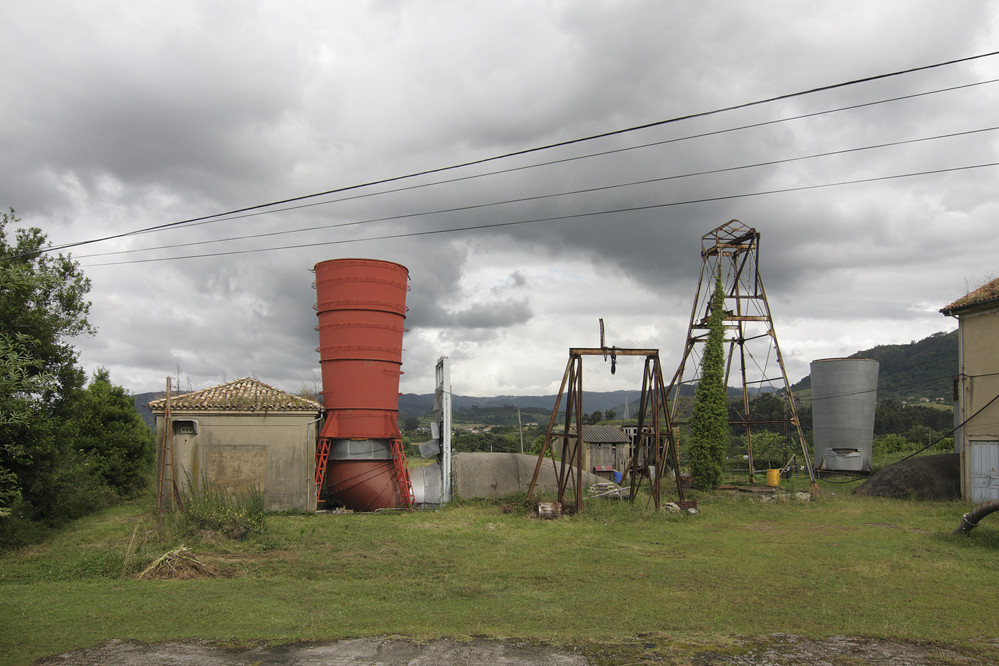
column 709, row 422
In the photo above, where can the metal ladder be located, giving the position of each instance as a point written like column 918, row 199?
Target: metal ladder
column 322, row 456
column 402, row 473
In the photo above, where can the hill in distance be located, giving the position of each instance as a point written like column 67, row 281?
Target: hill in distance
column 923, row 369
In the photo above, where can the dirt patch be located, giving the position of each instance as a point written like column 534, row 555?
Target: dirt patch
column 353, row 652
column 777, row 649
column 782, row 649
column 925, row 477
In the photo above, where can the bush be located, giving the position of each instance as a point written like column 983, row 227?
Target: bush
column 945, row 445
column 108, row 429
column 10, row 490
column 770, row 449
column 210, row 509
column 67, row 489
column 892, row 443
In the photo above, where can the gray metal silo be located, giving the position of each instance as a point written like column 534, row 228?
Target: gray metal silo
column 844, row 395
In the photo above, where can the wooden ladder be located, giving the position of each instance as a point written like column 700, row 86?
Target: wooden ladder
column 166, row 485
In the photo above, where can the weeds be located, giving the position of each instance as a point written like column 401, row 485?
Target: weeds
column 210, row 509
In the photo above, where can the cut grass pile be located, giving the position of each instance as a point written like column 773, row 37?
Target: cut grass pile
column 841, row 565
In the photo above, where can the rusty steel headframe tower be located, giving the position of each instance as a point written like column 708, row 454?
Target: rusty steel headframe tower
column 732, row 251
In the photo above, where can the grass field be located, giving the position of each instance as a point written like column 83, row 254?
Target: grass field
column 841, row 565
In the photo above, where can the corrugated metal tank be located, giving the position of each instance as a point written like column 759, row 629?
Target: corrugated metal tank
column 844, row 396
column 361, row 304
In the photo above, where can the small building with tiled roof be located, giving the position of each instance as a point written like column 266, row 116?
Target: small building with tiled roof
column 243, row 434
column 976, row 391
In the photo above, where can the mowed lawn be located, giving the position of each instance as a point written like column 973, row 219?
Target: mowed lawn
column 840, row 565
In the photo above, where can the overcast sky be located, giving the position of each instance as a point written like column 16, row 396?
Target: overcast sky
column 118, row 116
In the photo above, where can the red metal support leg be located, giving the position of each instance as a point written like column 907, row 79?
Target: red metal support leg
column 322, row 456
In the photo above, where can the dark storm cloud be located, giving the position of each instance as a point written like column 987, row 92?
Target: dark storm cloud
column 494, row 315
column 170, row 104
column 120, row 115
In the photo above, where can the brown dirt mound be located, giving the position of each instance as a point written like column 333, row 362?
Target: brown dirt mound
column 935, row 477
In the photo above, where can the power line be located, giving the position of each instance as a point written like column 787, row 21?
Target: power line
column 496, row 225
column 539, row 197
column 953, row 430
column 535, row 149
column 563, row 160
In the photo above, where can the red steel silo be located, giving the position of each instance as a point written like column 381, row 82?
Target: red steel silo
column 361, row 305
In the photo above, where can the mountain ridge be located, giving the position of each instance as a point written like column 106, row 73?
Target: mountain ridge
column 920, row 369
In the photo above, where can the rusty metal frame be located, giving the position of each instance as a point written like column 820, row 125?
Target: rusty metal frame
column 654, row 443
column 732, row 250
column 655, row 448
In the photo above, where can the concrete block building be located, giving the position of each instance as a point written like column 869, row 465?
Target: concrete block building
column 244, row 434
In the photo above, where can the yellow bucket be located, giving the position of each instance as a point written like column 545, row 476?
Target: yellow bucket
column 773, row 477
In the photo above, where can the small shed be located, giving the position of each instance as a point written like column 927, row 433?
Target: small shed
column 976, row 391
column 606, row 446
column 244, row 434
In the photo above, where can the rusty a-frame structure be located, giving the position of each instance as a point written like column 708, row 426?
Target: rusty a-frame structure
column 654, row 454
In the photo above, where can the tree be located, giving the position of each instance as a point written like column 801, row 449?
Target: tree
column 20, row 389
column 43, row 302
column 610, row 415
column 411, row 424
column 42, row 305
column 709, row 422
column 110, row 432
column 770, row 449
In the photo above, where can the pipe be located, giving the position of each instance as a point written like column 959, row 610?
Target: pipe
column 969, row 521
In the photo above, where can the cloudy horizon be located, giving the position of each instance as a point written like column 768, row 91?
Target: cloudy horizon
column 125, row 116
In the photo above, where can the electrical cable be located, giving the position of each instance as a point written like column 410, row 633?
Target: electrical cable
column 953, row 430
column 225, row 218
column 496, row 225
column 537, row 197
column 545, row 147
column 934, row 442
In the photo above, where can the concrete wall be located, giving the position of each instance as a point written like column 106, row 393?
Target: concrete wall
column 979, row 364
column 274, row 452
column 496, row 475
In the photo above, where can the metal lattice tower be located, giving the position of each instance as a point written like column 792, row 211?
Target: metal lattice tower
column 752, row 351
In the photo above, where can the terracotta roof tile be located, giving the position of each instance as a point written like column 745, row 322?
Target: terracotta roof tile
column 987, row 293
column 242, row 395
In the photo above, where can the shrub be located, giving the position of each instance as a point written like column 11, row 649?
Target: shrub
column 211, row 509
column 709, row 428
column 891, row 443
column 109, row 430
column 770, row 449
